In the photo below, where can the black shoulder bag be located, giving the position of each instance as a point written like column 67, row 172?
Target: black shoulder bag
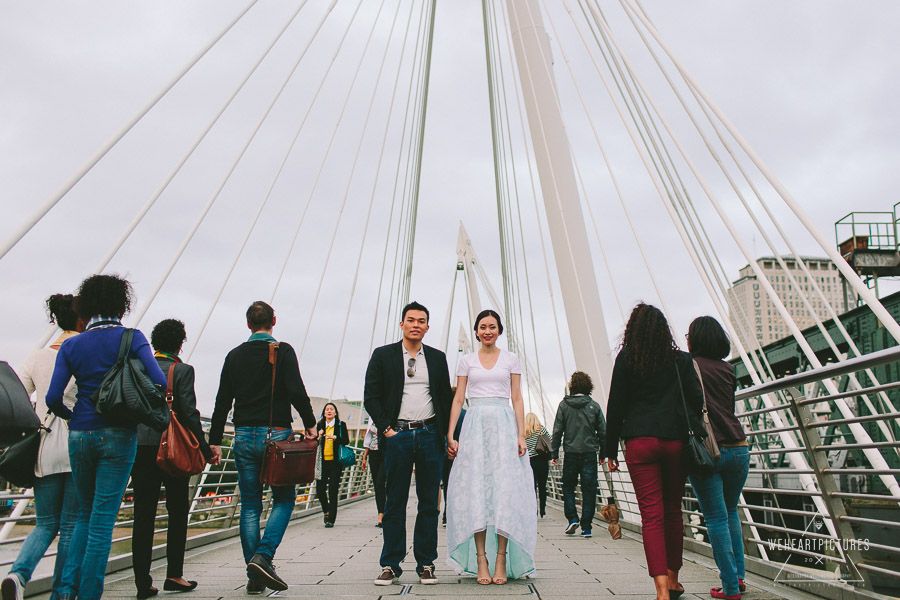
column 127, row 397
column 695, row 457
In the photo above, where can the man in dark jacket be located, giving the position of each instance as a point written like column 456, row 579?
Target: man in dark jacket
column 579, row 420
column 246, row 382
column 408, row 397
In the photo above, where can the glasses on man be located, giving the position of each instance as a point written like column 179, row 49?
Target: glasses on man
column 411, row 368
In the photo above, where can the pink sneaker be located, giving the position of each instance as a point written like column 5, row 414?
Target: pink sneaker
column 718, row 593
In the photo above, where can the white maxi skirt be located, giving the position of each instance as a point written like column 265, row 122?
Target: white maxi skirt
column 491, row 489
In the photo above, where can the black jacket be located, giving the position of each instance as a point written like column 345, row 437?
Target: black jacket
column 579, row 420
column 184, row 403
column 340, row 428
column 650, row 405
column 384, row 386
column 246, row 381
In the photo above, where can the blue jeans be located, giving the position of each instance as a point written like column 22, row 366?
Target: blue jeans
column 56, row 510
column 718, row 496
column 249, row 450
column 584, row 465
column 101, row 463
column 423, row 448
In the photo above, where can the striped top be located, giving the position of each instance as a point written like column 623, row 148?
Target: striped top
column 531, row 440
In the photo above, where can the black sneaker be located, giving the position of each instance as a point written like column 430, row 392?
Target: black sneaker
column 573, row 526
column 262, row 569
column 255, row 587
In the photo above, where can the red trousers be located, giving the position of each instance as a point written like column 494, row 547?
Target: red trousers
column 658, row 478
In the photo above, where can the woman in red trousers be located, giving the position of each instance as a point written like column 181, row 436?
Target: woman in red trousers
column 645, row 410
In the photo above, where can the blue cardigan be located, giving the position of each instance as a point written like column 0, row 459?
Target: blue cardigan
column 88, row 356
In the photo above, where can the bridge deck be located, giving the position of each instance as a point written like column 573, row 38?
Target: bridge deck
column 342, row 562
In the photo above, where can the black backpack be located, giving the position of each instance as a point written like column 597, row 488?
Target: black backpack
column 17, row 416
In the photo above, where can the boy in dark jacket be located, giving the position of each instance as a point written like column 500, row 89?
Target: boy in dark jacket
column 580, row 421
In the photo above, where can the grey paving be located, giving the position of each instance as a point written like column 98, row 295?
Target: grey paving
column 342, row 562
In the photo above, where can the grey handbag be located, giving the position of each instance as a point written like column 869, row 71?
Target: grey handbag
column 712, row 446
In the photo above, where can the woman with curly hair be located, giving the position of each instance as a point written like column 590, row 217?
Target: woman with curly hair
column 55, row 502
column 645, row 409
column 101, row 454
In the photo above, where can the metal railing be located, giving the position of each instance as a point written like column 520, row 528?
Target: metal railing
column 815, row 513
column 213, row 516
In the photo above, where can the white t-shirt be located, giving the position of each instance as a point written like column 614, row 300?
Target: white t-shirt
column 493, row 383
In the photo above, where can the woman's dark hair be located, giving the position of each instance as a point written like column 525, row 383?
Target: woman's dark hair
column 337, row 415
column 707, row 339
column 581, row 384
column 168, row 336
column 63, row 311
column 488, row 313
column 105, row 295
column 648, row 342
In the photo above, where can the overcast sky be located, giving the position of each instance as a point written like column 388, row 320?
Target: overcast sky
column 812, row 85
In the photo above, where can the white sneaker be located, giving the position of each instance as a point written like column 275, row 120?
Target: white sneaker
column 11, row 588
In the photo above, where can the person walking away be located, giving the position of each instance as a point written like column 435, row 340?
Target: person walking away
column 407, row 394
column 581, row 430
column 720, row 493
column 101, row 454
column 332, row 433
column 167, row 338
column 373, row 461
column 55, row 501
column 246, row 383
column 645, row 409
column 491, row 507
column 540, row 463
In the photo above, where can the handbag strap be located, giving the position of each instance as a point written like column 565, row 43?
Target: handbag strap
column 273, row 355
column 702, row 389
column 683, row 401
column 125, row 345
column 170, row 385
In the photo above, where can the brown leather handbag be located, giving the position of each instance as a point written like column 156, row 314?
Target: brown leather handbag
column 179, row 452
column 290, row 462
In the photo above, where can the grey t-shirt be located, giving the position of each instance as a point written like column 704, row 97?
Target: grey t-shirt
column 416, row 403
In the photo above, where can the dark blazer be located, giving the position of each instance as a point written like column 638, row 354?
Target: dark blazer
column 184, row 403
column 384, row 386
column 340, row 428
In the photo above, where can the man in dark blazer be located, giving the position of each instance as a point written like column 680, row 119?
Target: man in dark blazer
column 408, row 397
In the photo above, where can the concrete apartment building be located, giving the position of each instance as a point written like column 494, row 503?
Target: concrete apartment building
column 748, row 300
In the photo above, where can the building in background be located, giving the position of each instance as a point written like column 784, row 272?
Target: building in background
column 754, row 313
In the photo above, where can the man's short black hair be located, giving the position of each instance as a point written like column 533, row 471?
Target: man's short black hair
column 414, row 306
column 260, row 316
column 168, row 336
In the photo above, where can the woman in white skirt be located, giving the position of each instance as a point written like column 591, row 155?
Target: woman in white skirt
column 491, row 508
